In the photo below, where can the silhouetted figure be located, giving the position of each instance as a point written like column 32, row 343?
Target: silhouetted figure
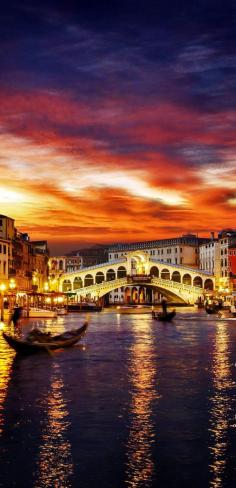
column 164, row 305
column 16, row 317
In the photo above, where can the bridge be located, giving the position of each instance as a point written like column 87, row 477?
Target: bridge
column 176, row 282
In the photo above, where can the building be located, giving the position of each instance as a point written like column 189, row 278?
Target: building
column 91, row 256
column 40, row 266
column 62, row 264
column 180, row 250
column 6, row 237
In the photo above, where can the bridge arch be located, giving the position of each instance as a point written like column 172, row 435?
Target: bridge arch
column 88, row 280
column 77, row 283
column 197, row 281
column 187, row 280
column 99, row 278
column 154, row 271
column 176, row 277
column 165, row 274
column 66, row 286
column 208, row 284
column 121, row 272
column 111, row 275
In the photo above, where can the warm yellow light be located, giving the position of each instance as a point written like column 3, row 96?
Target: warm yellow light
column 2, row 287
column 48, row 300
column 46, row 286
column 12, row 284
column 60, row 299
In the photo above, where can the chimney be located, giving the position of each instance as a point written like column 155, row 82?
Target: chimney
column 212, row 236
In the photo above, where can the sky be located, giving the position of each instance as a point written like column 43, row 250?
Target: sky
column 117, row 119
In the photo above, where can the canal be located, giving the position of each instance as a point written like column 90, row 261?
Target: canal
column 136, row 404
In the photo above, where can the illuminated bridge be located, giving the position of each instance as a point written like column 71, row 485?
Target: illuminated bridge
column 138, row 268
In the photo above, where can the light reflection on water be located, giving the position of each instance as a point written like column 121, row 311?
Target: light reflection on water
column 6, row 359
column 142, row 378
column 221, row 404
column 157, row 375
column 55, row 464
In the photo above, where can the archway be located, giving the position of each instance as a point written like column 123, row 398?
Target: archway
column 111, row 275
column 154, row 271
column 208, row 285
column 127, row 295
column 176, row 277
column 121, row 272
column 187, row 280
column 197, row 281
column 134, row 294
column 78, row 283
column 66, row 286
column 165, row 274
column 88, row 280
column 99, row 278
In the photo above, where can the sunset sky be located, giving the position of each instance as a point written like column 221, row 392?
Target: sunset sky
column 117, row 119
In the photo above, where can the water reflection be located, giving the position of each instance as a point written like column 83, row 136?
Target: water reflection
column 221, row 405
column 6, row 359
column 142, row 376
column 55, row 459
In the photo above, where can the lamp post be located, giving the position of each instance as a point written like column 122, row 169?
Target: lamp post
column 12, row 286
column 2, row 290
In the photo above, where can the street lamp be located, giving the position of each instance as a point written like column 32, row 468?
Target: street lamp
column 2, row 290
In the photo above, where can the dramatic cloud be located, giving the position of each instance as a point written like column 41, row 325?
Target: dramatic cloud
column 117, row 125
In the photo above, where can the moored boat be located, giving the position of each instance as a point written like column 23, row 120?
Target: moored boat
column 42, row 312
column 45, row 342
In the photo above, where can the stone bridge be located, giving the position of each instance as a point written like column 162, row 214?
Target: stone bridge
column 137, row 268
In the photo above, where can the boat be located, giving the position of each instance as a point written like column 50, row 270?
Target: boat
column 61, row 311
column 84, row 307
column 42, row 312
column 210, row 309
column 38, row 341
column 164, row 317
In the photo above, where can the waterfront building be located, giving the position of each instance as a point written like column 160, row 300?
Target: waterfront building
column 40, row 266
column 227, row 240
column 62, row 264
column 6, row 238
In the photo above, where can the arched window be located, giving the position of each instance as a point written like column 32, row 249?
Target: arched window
column 88, row 280
column 154, row 271
column 187, row 280
column 176, row 276
column 78, row 283
column 165, row 274
column 66, row 286
column 121, row 272
column 197, row 281
column 111, row 275
column 99, row 277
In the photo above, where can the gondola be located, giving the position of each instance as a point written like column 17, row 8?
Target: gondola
column 26, row 346
column 210, row 309
column 165, row 317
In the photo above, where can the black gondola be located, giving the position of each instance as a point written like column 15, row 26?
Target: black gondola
column 61, row 341
column 210, row 309
column 165, row 317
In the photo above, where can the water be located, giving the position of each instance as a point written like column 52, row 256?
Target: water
column 136, row 404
